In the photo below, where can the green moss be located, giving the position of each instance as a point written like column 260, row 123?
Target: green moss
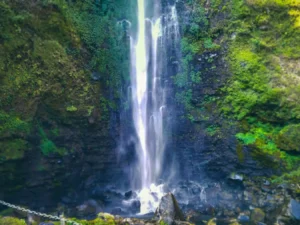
column 212, row 130
column 97, row 221
column 162, row 222
column 240, row 152
column 71, row 108
column 292, row 177
column 48, row 147
column 12, row 149
column 288, row 138
column 6, row 212
column 12, row 125
column 262, row 138
column 261, row 93
column 55, row 132
column 50, row 51
column 246, row 138
column 250, row 87
column 11, row 221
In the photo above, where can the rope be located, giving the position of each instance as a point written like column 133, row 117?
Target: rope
column 60, row 218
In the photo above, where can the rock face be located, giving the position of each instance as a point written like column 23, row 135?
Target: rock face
column 168, row 210
column 59, row 134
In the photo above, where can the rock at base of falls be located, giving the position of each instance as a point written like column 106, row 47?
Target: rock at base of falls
column 168, row 210
column 294, row 209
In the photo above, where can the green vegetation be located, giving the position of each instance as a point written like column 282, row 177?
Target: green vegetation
column 292, row 177
column 12, row 149
column 11, row 221
column 12, row 130
column 212, row 130
column 48, row 53
column 263, row 52
column 162, row 222
column 16, row 221
column 71, row 108
column 48, row 147
column 260, row 42
column 194, row 42
column 12, row 125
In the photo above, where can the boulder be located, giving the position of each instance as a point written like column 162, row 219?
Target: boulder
column 130, row 195
column 168, row 210
column 96, row 76
column 294, row 209
column 257, row 215
column 106, row 216
column 88, row 208
column 243, row 218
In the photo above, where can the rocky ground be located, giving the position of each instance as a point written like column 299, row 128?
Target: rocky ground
column 238, row 201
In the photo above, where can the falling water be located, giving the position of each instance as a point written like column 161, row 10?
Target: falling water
column 154, row 37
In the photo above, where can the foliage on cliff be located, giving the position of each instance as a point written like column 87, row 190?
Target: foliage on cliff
column 259, row 41
column 263, row 55
column 56, row 56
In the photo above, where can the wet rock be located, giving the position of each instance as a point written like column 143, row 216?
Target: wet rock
column 95, row 76
column 106, row 216
column 70, row 198
column 131, row 204
column 243, row 218
column 176, row 222
column 46, row 223
column 118, row 211
column 107, row 196
column 257, row 215
column 88, row 208
column 168, row 209
column 227, row 195
column 133, row 221
column 235, row 176
column 260, row 223
column 135, row 206
column 228, row 213
column 194, row 216
column 294, row 209
column 129, row 194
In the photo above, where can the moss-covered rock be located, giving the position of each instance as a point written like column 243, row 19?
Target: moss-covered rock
column 288, row 138
column 249, row 81
column 12, row 149
column 50, row 107
column 257, row 215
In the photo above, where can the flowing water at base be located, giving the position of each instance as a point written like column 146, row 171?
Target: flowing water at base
column 149, row 198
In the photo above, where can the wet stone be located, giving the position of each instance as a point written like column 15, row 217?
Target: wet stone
column 257, row 215
column 294, row 209
column 129, row 194
column 168, row 209
column 243, row 218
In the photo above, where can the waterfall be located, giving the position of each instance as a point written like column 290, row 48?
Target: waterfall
column 156, row 35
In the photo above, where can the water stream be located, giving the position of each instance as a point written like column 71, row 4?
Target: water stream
column 156, row 35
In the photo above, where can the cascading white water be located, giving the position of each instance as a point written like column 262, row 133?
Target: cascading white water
column 148, row 61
